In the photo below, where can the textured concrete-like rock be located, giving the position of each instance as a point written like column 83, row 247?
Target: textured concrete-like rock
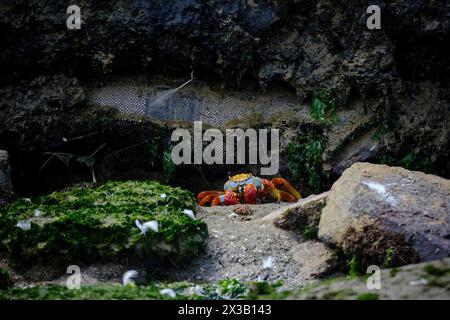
column 300, row 215
column 424, row 281
column 388, row 215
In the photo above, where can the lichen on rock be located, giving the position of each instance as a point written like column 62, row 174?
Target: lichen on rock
column 86, row 224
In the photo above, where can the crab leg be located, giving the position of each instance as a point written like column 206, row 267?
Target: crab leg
column 203, row 194
column 207, row 200
column 289, row 188
column 287, row 197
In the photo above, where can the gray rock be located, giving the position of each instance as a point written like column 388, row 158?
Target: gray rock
column 388, row 215
column 302, row 214
column 424, row 281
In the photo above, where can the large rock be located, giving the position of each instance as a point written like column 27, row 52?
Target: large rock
column 388, row 215
column 303, row 215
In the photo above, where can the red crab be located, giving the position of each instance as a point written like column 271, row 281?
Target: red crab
column 246, row 188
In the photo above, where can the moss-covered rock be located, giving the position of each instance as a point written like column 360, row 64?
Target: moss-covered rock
column 5, row 279
column 86, row 224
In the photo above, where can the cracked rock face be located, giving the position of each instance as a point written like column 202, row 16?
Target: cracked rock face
column 396, row 76
column 407, row 214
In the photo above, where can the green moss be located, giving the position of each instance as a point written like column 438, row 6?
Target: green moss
column 168, row 165
column 435, row 271
column 5, row 279
column 390, row 256
column 309, row 233
column 367, row 296
column 353, row 267
column 382, row 127
column 304, row 158
column 338, row 295
column 225, row 289
column 99, row 223
column 323, row 108
column 393, row 272
column 416, row 160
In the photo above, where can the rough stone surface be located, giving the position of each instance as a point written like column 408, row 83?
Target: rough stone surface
column 398, row 207
column 249, row 250
column 5, row 172
column 302, row 214
column 424, row 281
column 396, row 78
column 6, row 186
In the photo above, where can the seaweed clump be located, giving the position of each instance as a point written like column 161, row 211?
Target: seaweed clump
column 86, row 224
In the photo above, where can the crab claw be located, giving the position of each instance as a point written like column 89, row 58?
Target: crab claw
column 228, row 199
column 250, row 194
column 231, row 198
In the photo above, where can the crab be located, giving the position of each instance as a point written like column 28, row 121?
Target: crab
column 246, row 188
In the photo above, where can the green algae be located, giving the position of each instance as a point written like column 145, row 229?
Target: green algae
column 224, row 289
column 86, row 224
column 367, row 296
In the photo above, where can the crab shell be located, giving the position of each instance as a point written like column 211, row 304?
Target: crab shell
column 249, row 187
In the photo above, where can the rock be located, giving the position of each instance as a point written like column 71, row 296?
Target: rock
column 315, row 259
column 99, row 224
column 243, row 210
column 424, row 281
column 397, row 73
column 5, row 172
column 304, row 214
column 251, row 250
column 388, row 215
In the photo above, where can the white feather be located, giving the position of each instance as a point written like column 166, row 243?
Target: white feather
column 153, row 225
column 268, row 263
column 128, row 276
column 168, row 292
column 189, row 213
column 24, row 225
column 37, row 213
column 420, row 282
